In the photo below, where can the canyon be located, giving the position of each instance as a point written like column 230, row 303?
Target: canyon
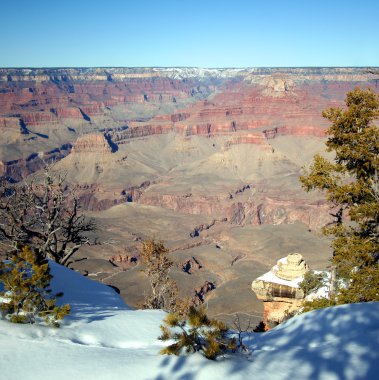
column 206, row 160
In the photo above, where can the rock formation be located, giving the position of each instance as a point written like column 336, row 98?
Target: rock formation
column 92, row 143
column 277, row 87
column 16, row 170
column 191, row 265
column 250, row 106
column 201, row 292
column 291, row 267
column 279, row 288
column 123, row 260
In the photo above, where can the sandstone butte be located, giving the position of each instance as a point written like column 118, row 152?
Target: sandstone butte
column 207, row 160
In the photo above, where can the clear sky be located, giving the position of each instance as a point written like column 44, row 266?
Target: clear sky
column 202, row 33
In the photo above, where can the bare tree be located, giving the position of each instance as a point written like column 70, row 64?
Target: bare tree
column 45, row 215
column 157, row 267
column 241, row 330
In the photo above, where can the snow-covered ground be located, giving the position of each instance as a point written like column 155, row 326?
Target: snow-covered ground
column 104, row 339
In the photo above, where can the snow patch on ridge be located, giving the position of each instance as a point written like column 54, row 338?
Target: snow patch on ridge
column 272, row 277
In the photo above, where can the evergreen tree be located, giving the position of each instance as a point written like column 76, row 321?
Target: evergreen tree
column 195, row 332
column 312, row 281
column 351, row 185
column 26, row 297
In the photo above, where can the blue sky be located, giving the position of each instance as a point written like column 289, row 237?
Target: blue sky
column 207, row 33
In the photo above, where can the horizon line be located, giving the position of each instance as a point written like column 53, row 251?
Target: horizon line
column 188, row 67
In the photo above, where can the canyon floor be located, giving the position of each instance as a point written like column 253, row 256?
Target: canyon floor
column 227, row 216
column 208, row 161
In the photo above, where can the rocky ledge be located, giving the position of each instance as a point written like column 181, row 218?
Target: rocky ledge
column 279, row 288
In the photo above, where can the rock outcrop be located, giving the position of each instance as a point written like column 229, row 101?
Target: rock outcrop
column 277, row 87
column 191, row 265
column 279, row 289
column 10, row 122
column 228, row 209
column 123, row 260
column 92, row 143
column 16, row 170
column 291, row 267
column 201, row 292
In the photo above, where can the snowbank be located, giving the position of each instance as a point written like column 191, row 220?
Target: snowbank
column 105, row 339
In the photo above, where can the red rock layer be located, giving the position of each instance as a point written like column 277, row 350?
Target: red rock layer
column 140, row 131
column 16, row 170
column 241, row 107
column 67, row 112
column 48, row 99
column 294, row 131
column 264, row 209
column 37, row 118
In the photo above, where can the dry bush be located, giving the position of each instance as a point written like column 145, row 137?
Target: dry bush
column 164, row 290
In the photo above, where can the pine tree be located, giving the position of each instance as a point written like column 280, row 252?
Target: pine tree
column 312, row 281
column 27, row 297
column 351, row 185
column 195, row 332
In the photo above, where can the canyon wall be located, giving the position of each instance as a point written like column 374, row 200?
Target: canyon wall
column 254, row 97
column 45, row 112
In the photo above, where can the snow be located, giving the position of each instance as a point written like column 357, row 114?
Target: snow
column 105, row 339
column 201, row 72
column 270, row 276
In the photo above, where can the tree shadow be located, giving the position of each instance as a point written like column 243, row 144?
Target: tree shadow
column 329, row 347
column 181, row 368
column 341, row 343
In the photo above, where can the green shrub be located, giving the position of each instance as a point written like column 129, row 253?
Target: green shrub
column 312, row 282
column 195, row 332
column 26, row 297
column 317, row 303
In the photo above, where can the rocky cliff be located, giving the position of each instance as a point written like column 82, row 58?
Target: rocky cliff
column 50, row 110
column 40, row 96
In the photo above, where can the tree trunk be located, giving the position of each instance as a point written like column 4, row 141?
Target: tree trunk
column 332, row 285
